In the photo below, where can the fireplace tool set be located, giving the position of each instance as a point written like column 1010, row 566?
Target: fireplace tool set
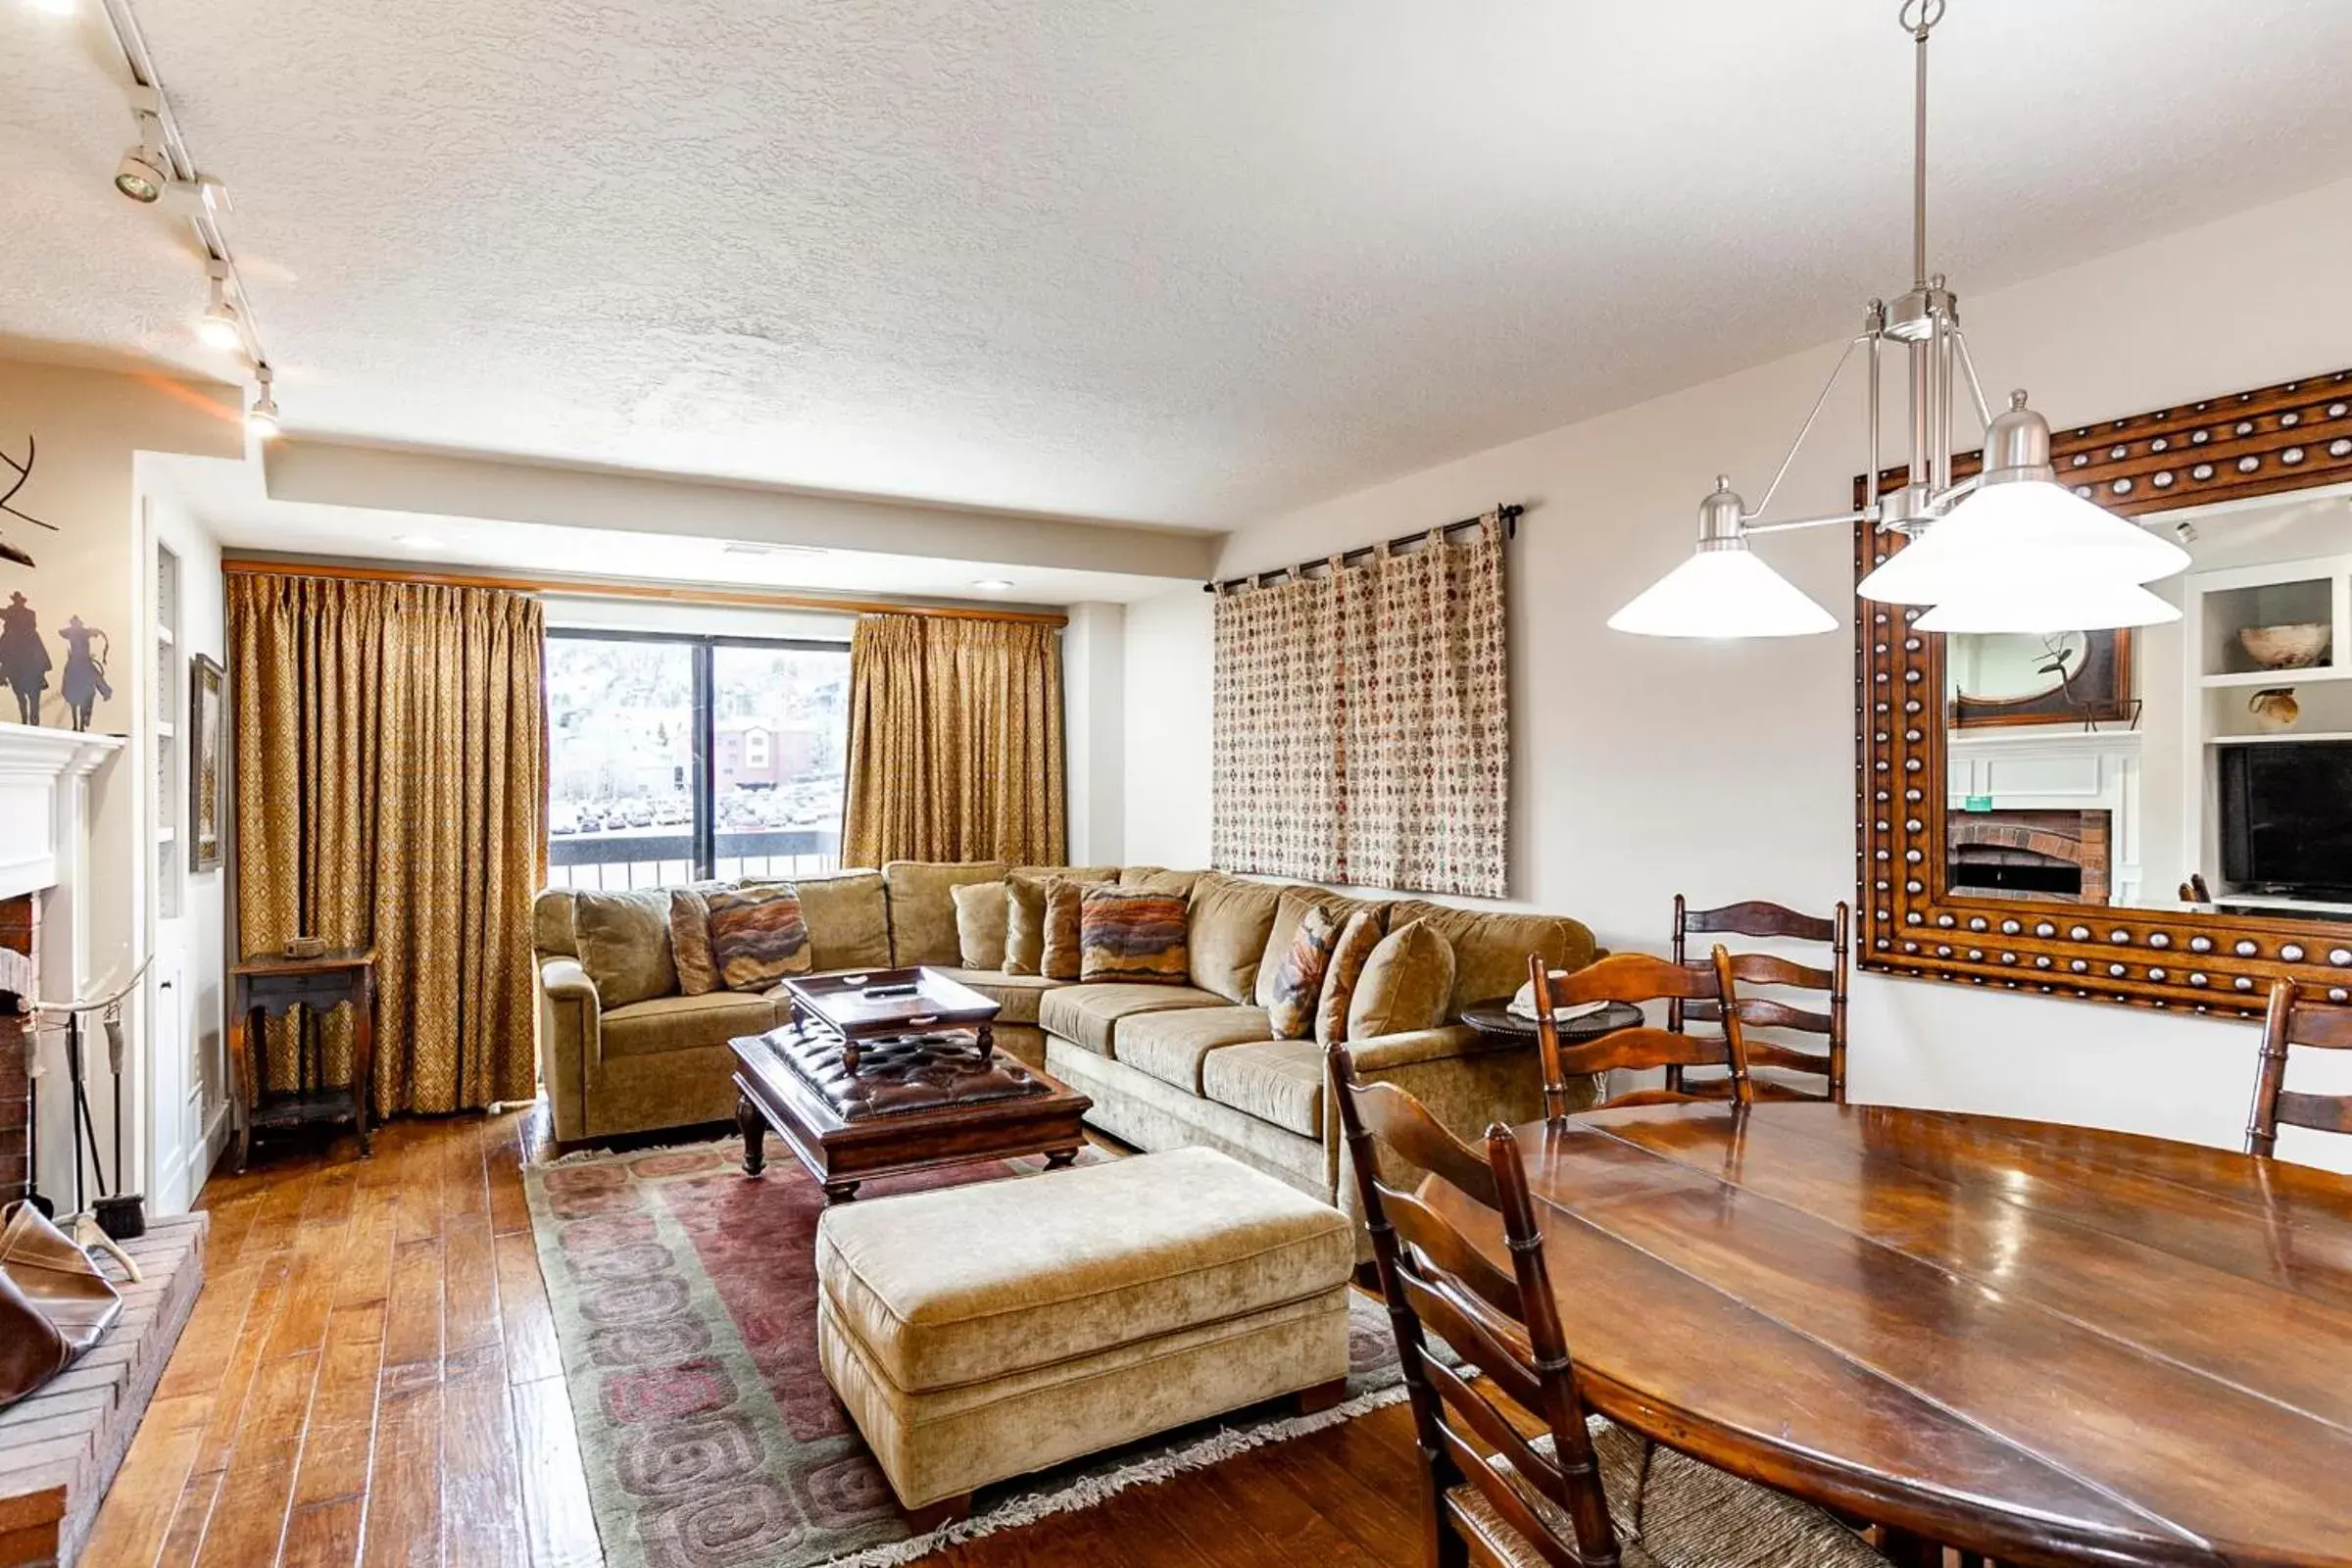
column 111, row 1217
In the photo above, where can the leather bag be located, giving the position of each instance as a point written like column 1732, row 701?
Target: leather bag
column 54, row 1302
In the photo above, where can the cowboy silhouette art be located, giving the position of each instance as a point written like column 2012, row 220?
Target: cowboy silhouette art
column 23, row 661
column 85, row 679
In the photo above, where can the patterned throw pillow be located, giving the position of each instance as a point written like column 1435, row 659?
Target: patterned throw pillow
column 690, row 942
column 1299, row 978
column 1357, row 938
column 980, row 915
column 757, row 936
column 1059, row 958
column 1132, row 933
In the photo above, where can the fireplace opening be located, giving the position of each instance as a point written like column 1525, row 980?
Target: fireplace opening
column 2059, row 855
column 19, row 956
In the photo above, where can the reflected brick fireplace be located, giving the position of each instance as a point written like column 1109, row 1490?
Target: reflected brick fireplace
column 19, row 924
column 2059, row 855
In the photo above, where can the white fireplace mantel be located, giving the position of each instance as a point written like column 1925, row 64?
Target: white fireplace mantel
column 43, row 806
column 2044, row 767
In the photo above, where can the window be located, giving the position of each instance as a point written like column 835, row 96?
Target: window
column 672, row 758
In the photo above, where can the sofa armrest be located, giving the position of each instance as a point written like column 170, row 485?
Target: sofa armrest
column 570, row 1020
column 1386, row 1052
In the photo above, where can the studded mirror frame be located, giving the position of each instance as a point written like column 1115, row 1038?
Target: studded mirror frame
column 2280, row 439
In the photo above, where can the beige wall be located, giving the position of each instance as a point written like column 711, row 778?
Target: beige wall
column 90, row 424
column 1645, row 767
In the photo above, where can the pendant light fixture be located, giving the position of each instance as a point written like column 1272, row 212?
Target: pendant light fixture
column 2010, row 550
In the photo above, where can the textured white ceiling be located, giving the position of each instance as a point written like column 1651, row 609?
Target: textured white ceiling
column 1184, row 260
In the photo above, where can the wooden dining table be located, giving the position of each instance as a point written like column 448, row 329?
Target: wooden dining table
column 2048, row 1345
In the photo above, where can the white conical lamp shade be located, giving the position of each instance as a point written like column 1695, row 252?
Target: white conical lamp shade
column 2028, row 531
column 2045, row 607
column 1723, row 591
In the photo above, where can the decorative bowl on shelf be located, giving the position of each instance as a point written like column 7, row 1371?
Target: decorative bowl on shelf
column 305, row 947
column 2298, row 645
column 2275, row 708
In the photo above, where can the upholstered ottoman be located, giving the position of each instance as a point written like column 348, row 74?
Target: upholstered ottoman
column 984, row 1332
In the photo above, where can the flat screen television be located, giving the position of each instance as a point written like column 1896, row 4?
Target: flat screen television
column 2286, row 819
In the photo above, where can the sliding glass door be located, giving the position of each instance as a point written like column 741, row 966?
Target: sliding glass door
column 673, row 758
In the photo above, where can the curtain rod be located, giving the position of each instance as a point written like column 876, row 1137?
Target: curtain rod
column 1509, row 512
column 749, row 599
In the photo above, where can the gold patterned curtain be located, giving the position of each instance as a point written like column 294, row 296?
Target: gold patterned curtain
column 956, row 748
column 390, row 789
column 1361, row 729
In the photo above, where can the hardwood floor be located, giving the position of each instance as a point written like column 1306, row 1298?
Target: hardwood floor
column 371, row 1377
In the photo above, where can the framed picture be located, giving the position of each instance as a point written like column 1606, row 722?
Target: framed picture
column 205, row 806
column 2076, row 678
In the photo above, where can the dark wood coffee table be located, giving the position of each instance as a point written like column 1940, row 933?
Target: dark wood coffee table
column 908, row 1103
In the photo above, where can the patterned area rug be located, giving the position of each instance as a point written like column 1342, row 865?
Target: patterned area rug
column 685, row 1300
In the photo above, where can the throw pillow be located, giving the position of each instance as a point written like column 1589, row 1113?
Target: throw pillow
column 624, row 945
column 1132, row 933
column 1357, row 938
column 1298, row 977
column 980, row 915
column 1405, row 984
column 690, row 943
column 1024, row 925
column 1058, row 957
column 757, row 936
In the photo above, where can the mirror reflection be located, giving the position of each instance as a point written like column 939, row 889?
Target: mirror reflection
column 2205, row 764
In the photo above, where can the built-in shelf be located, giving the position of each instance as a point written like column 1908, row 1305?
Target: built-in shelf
column 2279, row 677
column 2284, row 738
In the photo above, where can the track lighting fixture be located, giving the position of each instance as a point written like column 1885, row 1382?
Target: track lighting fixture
column 219, row 326
column 262, row 418
column 145, row 172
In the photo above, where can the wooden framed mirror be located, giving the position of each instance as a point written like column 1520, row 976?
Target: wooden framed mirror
column 2162, row 818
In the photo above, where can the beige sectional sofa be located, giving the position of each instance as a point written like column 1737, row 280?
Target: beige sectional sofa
column 1167, row 1066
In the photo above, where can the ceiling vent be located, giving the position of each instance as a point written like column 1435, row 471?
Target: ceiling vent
column 753, row 547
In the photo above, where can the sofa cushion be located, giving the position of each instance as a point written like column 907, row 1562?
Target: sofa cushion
column 1089, row 1015
column 1490, row 949
column 1059, row 956
column 1299, row 974
column 1171, row 1046
column 1016, row 996
column 1280, row 1081
column 1226, row 932
column 1288, row 909
column 1357, row 938
column 1133, row 933
column 922, row 908
column 550, row 924
column 685, row 1023
column 757, row 936
column 624, row 944
column 690, row 942
column 848, row 915
column 1405, row 984
column 972, row 1284
column 1025, row 910
column 980, row 924
column 1158, row 878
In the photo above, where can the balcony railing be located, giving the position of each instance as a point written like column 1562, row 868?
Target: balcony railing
column 620, row 861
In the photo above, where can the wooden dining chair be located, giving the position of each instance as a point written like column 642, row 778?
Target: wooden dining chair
column 2294, row 1021
column 1762, row 920
column 1634, row 977
column 1511, row 1459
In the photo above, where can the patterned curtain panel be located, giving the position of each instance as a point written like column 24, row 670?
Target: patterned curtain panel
column 1362, row 723
column 390, row 781
column 955, row 747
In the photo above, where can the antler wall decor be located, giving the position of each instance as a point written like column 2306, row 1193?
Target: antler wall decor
column 32, row 452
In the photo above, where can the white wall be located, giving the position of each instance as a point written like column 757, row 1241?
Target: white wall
column 91, row 425
column 1093, row 740
column 1642, row 767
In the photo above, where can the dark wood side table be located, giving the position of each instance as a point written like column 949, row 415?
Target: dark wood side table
column 1496, row 1019
column 270, row 985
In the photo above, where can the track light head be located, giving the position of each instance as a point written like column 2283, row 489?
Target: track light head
column 262, row 418
column 145, row 172
column 219, row 326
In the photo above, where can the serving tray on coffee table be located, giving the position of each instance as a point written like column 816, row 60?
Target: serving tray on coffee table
column 844, row 1007
column 910, row 1102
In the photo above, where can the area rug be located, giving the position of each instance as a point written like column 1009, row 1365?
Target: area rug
column 685, row 1303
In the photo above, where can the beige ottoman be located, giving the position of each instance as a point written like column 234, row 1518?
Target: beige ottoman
column 985, row 1332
